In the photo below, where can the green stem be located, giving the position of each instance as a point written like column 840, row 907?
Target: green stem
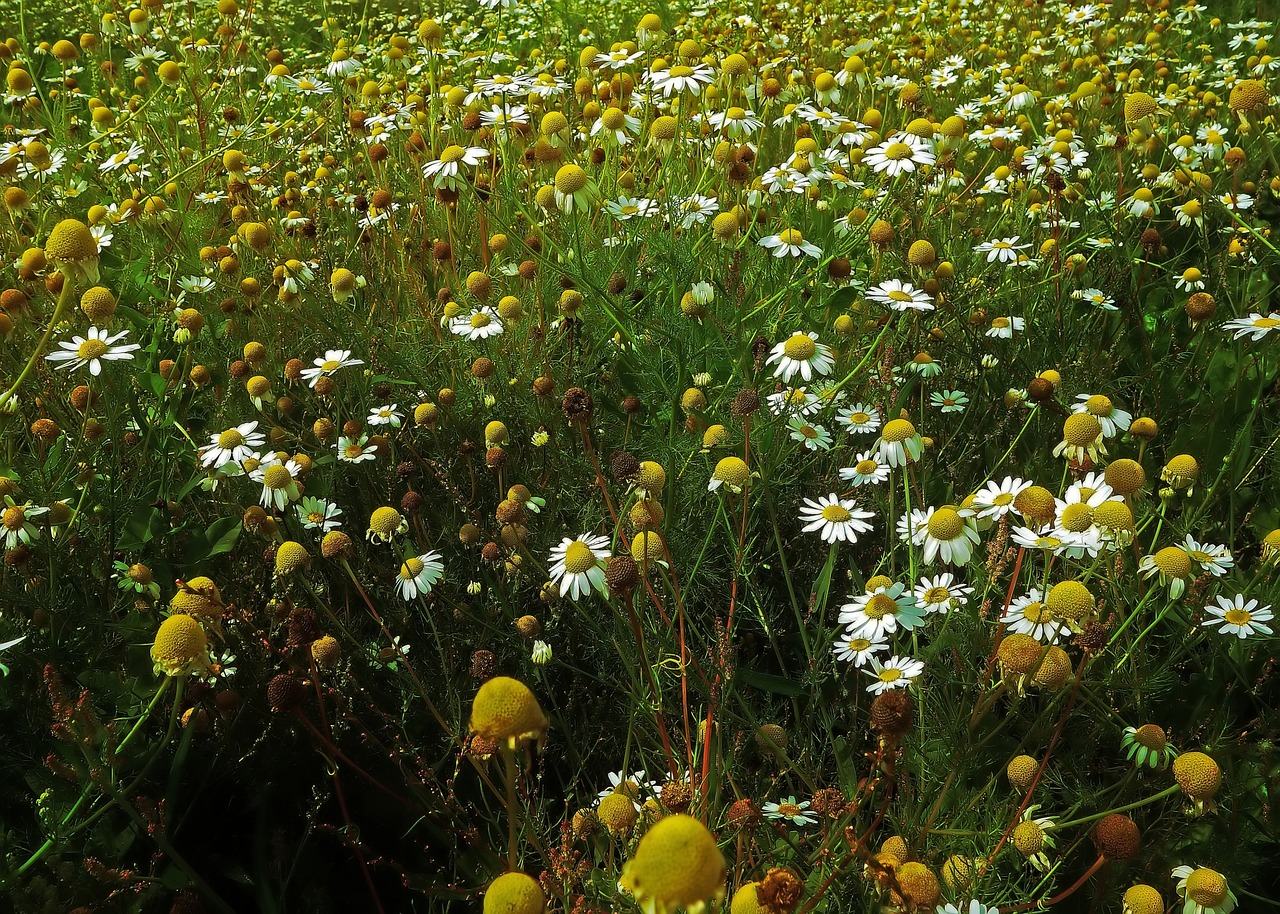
column 64, row 296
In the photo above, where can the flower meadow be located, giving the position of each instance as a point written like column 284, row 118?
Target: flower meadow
column 522, row 457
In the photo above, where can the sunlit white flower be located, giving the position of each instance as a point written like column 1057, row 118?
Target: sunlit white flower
column 577, row 565
column 895, row 673
column 231, row 446
column 900, row 296
column 834, row 519
column 418, row 574
column 93, row 350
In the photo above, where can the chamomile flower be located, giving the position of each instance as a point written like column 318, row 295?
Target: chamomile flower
column 899, row 154
column 868, row 470
column 794, row 401
column 1172, row 565
column 790, row 243
column 1147, row 746
column 332, row 361
column 279, row 480
column 1003, row 328
column 813, row 437
column 635, row 786
column 1204, row 891
column 834, row 519
column 949, row 401
column 899, row 443
column 319, row 514
column 577, row 565
column 1027, row 615
column 1112, row 418
column 385, row 415
column 895, row 673
column 16, row 528
column 480, row 324
column 1214, row 558
column 1255, row 326
column 882, row 612
column 1002, row 250
column 797, row 813
column 900, row 296
column 93, row 350
column 231, row 446
column 950, row 535
column 996, row 499
column 418, row 574
column 1033, row 836
column 941, row 593
column 857, row 649
column 801, row 354
column 445, row 172
column 1238, row 616
column 859, row 419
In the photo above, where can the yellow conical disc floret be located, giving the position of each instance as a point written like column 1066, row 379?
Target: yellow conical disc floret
column 746, row 900
column 73, row 250
column 1198, row 775
column 181, row 646
column 676, row 865
column 514, row 893
column 504, row 710
column 1142, row 899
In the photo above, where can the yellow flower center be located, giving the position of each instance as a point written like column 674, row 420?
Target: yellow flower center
column 230, row 439
column 579, row 558
column 808, row 431
column 276, row 477
column 452, row 153
column 1077, row 517
column 859, row 418
column 879, row 606
column 788, row 809
column 898, row 430
column 1173, row 562
column 1081, row 429
column 889, row 674
column 1000, row 323
column 352, row 451
column 1036, row 612
column 790, row 236
column 411, row 568
column 899, row 295
column 681, row 70
column 937, row 595
column 897, row 152
column 1267, row 322
column 800, row 347
column 1237, row 616
column 836, row 514
column 480, row 319
column 1099, row 405
column 331, row 365
column 735, row 114
column 1004, row 498
column 867, row 467
column 945, row 524
column 13, row 517
column 858, row 644
column 1207, row 887
column 92, row 349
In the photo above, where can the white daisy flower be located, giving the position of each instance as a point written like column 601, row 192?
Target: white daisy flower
column 941, row 594
column 92, row 350
column 950, row 535
column 801, row 354
column 857, row 649
column 869, row 470
column 895, row 673
column 385, row 415
column 835, row 519
column 859, row 419
column 577, row 565
column 1028, row 615
column 996, row 499
column 418, row 574
column 900, row 296
column 232, row 446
